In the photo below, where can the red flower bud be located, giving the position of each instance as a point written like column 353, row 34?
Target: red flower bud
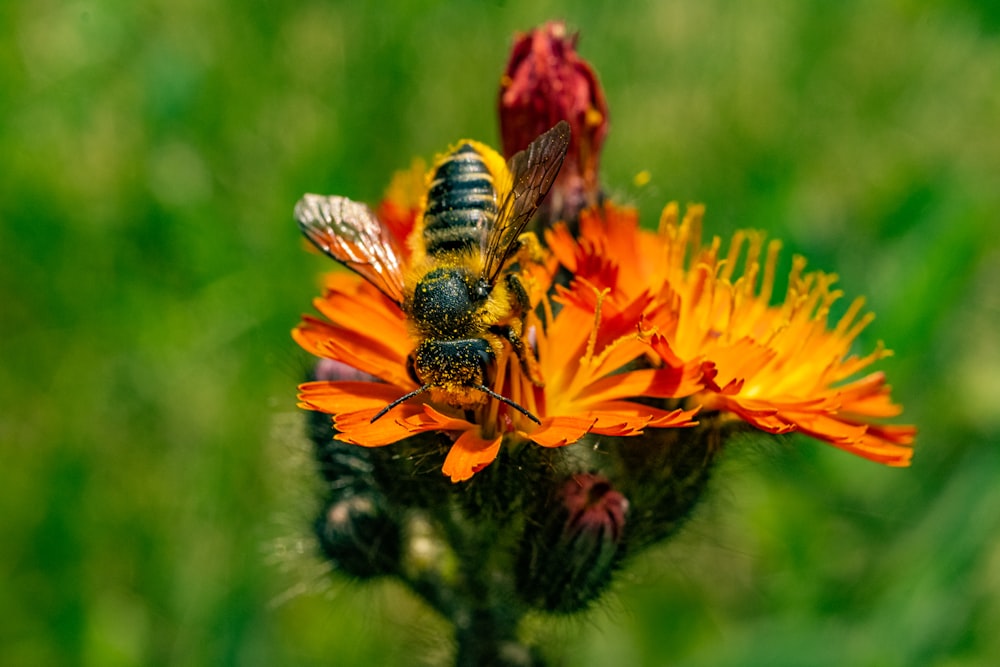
column 573, row 546
column 546, row 82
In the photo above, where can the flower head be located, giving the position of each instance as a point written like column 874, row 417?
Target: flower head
column 591, row 360
column 780, row 368
column 579, row 353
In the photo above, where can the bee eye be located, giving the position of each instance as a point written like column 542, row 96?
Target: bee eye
column 481, row 290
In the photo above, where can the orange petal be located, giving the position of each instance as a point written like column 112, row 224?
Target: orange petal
column 312, row 332
column 342, row 396
column 655, row 417
column 369, row 356
column 789, row 404
column 662, row 347
column 353, row 405
column 619, row 419
column 742, row 359
column 859, row 439
column 567, row 339
column 367, row 315
column 894, row 433
column 561, row 243
column 430, row 419
column 470, row 454
column 614, row 426
column 766, row 419
column 869, row 396
column 561, row 431
column 357, row 427
column 615, row 355
column 658, row 383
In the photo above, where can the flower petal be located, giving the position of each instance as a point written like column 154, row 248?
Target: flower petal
column 367, row 312
column 861, row 439
column 369, row 356
column 653, row 383
column 655, row 417
column 470, row 454
column 430, row 419
column 561, row 431
column 353, row 404
column 312, row 332
column 337, row 397
column 357, row 428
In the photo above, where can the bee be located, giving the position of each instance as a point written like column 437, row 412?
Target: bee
column 458, row 291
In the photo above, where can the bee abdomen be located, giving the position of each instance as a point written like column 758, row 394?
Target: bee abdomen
column 461, row 203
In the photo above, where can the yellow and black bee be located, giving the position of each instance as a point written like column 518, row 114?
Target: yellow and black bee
column 457, row 290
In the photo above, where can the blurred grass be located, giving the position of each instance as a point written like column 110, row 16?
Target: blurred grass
column 151, row 154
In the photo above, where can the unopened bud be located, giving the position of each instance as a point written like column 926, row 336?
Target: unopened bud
column 668, row 473
column 569, row 554
column 545, row 82
column 359, row 536
column 346, row 468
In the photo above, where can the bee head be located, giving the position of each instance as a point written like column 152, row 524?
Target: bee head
column 452, row 364
column 457, row 368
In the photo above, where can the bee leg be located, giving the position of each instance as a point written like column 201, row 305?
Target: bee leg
column 524, row 354
column 529, row 249
column 513, row 331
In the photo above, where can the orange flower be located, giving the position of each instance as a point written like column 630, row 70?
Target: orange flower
column 777, row 367
column 581, row 353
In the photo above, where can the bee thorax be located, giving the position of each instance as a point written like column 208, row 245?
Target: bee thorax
column 446, row 303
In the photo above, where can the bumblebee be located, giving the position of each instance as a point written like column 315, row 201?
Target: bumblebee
column 460, row 295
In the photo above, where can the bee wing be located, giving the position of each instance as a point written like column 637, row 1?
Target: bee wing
column 352, row 234
column 532, row 172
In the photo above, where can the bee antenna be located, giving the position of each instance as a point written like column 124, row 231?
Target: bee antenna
column 503, row 399
column 401, row 399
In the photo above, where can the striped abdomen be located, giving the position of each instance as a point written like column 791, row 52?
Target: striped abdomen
column 461, row 203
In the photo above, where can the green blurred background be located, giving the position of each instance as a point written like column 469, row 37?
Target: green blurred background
column 154, row 495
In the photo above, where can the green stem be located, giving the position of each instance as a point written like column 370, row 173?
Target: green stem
column 487, row 637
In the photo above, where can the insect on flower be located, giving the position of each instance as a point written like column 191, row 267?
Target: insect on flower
column 460, row 295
